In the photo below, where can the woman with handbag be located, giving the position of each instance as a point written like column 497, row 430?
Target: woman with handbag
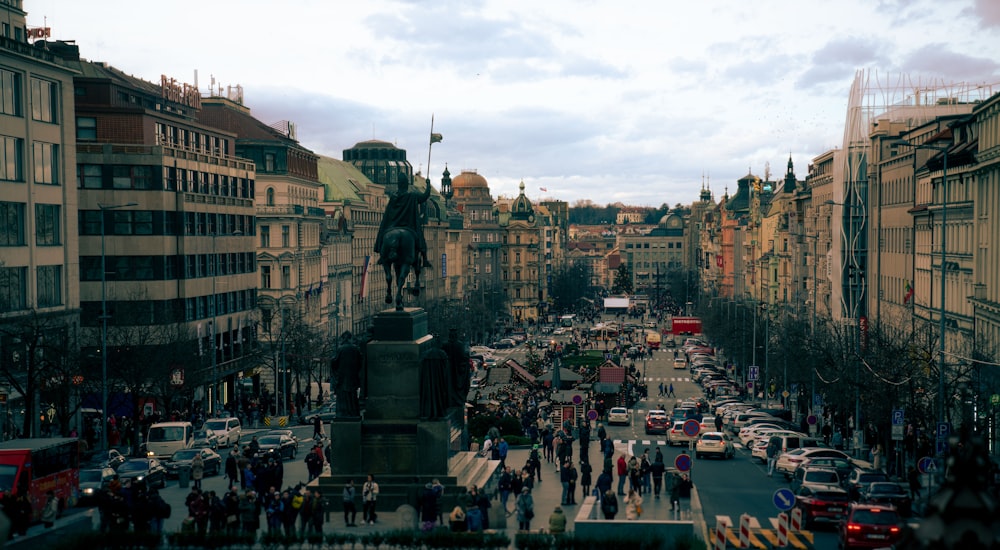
column 633, row 505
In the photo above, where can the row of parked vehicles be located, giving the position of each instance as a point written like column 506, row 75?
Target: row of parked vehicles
column 831, row 487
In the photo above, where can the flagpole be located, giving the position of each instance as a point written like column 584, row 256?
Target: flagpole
column 430, row 145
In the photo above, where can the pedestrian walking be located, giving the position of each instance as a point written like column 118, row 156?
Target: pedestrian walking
column 197, row 470
column 670, row 392
column 525, row 509
column 609, row 504
column 350, row 510
column 585, row 477
column 773, row 450
column 369, row 496
column 633, row 505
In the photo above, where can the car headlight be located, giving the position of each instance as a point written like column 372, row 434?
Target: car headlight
column 139, row 478
column 88, row 491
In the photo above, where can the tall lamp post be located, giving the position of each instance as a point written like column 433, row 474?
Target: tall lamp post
column 944, row 250
column 104, row 322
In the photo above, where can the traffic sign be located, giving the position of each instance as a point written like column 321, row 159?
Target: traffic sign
column 749, row 385
column 753, row 372
column 926, row 465
column 943, row 430
column 785, row 394
column 897, row 432
column 592, row 414
column 784, row 499
column 812, row 420
column 897, row 417
column 692, row 427
column 817, row 399
column 682, row 462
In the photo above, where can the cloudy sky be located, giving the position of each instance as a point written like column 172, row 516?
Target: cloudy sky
column 632, row 101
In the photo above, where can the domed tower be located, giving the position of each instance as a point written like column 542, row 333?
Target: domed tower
column 522, row 209
column 522, row 262
column 380, row 161
column 482, row 278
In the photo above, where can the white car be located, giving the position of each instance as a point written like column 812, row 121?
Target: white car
column 758, row 449
column 752, row 431
column 618, row 415
column 680, row 364
column 228, row 430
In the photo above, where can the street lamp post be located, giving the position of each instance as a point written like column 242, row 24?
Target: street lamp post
column 104, row 322
column 944, row 240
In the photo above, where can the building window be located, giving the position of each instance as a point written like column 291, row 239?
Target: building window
column 269, row 162
column 265, row 276
column 265, row 236
column 90, row 222
column 11, row 155
column 13, row 288
column 49, row 285
column 43, row 100
column 132, row 177
column 286, row 276
column 132, row 222
column 86, row 128
column 10, row 92
column 89, row 176
column 270, row 196
column 11, row 224
column 46, row 163
column 285, row 236
column 47, row 225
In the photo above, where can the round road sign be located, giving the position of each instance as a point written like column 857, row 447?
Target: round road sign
column 692, row 427
column 749, row 385
column 926, row 465
column 682, row 462
column 811, row 419
column 592, row 414
column 577, row 399
column 784, row 499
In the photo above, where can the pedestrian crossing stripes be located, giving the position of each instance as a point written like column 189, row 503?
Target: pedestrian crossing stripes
column 760, row 537
column 667, row 379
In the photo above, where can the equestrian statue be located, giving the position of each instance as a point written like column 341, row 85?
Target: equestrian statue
column 400, row 242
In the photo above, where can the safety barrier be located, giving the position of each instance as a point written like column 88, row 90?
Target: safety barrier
column 280, row 421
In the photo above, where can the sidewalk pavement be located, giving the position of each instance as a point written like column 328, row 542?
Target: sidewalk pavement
column 547, row 494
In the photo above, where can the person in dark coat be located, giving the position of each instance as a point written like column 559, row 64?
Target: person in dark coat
column 428, row 507
column 232, row 468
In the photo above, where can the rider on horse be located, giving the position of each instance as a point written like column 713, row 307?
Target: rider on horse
column 403, row 211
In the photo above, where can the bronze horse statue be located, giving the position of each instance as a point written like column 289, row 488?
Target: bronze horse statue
column 398, row 256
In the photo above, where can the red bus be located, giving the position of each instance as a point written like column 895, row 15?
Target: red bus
column 37, row 466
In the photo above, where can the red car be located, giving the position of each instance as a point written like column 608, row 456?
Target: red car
column 821, row 504
column 657, row 422
column 870, row 526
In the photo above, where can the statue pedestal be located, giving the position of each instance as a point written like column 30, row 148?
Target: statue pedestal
column 392, row 442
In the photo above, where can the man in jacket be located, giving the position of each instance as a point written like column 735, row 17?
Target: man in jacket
column 622, row 473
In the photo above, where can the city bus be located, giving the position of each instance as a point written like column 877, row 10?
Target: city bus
column 37, row 466
column 566, row 320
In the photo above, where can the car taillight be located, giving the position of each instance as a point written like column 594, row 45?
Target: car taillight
column 853, row 527
column 894, row 529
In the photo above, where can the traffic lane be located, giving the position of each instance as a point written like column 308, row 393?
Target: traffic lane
column 740, row 486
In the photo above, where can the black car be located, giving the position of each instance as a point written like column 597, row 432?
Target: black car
column 184, row 457
column 881, row 492
column 148, row 470
column 859, row 479
column 282, row 445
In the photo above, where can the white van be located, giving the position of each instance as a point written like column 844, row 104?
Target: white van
column 227, row 430
column 165, row 438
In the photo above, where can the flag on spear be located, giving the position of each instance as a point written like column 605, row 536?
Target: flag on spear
column 909, row 292
column 436, row 138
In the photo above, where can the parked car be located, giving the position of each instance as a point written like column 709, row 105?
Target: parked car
column 881, row 492
column 858, row 480
column 228, row 430
column 821, row 503
column 149, row 470
column 92, row 482
column 870, row 526
column 618, row 415
column 788, row 462
column 326, row 413
column 283, row 446
column 657, row 422
column 714, row 444
column 842, row 465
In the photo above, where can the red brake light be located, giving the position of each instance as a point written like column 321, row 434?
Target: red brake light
column 894, row 529
column 853, row 527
